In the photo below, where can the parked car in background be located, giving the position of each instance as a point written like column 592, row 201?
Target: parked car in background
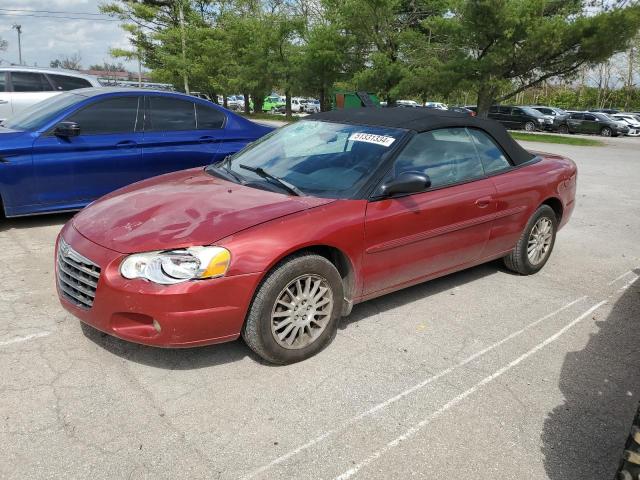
column 632, row 122
column 466, row 110
column 21, row 87
column 280, row 241
column 555, row 114
column 407, row 103
column 312, row 105
column 604, row 110
column 519, row 118
column 66, row 151
column 436, row 105
column 201, row 95
column 297, row 104
column 592, row 123
column 272, row 103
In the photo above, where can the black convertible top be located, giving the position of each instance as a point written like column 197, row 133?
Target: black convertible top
column 424, row 119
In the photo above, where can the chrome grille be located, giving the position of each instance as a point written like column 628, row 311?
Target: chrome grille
column 77, row 276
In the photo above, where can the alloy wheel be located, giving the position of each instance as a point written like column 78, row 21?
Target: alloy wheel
column 302, row 311
column 539, row 244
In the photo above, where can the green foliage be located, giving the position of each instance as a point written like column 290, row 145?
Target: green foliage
column 462, row 50
column 511, row 45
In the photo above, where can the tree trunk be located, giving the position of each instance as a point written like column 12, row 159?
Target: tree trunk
column 247, row 103
column 323, row 99
column 287, row 104
column 486, row 96
column 224, row 101
column 258, row 101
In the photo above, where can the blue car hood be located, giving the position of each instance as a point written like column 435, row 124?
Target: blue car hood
column 7, row 135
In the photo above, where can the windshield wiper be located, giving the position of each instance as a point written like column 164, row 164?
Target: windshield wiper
column 283, row 183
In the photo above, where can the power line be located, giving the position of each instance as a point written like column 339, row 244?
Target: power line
column 49, row 11
column 61, row 18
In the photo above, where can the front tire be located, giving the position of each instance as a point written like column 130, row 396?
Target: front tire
column 606, row 132
column 530, row 127
column 295, row 311
column 563, row 129
column 536, row 243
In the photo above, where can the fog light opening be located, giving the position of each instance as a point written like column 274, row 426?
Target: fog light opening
column 156, row 325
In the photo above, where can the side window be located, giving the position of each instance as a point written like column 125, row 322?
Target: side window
column 576, row 116
column 208, row 118
column 29, row 82
column 493, row 109
column 115, row 115
column 170, row 114
column 505, row 110
column 492, row 158
column 517, row 111
column 591, row 118
column 64, row 82
column 447, row 156
column 3, row 82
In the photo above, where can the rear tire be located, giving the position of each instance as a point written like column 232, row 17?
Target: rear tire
column 536, row 243
column 293, row 293
column 563, row 129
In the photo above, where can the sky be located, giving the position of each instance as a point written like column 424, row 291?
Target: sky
column 46, row 36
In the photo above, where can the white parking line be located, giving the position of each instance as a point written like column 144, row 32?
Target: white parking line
column 406, row 392
column 454, row 401
column 619, row 277
column 25, row 338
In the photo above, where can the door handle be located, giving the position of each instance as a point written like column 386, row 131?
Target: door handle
column 126, row 144
column 207, row 139
column 483, row 202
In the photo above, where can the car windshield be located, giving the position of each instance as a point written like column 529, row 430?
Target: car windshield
column 321, row 159
column 39, row 114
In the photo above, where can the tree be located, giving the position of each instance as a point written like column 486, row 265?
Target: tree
column 380, row 31
column 499, row 48
column 72, row 62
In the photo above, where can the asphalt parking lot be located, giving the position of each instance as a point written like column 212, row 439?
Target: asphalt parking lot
column 481, row 374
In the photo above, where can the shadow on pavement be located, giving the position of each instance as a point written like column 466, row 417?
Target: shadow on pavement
column 422, row 290
column 202, row 357
column 584, row 437
column 35, row 221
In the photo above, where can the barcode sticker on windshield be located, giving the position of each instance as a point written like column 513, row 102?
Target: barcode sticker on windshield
column 371, row 138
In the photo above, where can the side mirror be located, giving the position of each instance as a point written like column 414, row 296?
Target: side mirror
column 408, row 182
column 67, row 129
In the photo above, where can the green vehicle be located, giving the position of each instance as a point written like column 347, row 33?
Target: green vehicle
column 343, row 99
column 272, row 103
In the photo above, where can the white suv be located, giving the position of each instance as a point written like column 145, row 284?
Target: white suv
column 21, row 87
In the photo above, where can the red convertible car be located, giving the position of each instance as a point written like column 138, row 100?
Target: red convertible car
column 279, row 241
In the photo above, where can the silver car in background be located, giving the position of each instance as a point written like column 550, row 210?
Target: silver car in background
column 21, row 87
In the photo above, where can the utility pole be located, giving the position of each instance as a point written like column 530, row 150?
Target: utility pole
column 19, row 29
column 184, row 48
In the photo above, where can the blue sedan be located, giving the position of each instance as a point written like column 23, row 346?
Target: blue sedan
column 65, row 152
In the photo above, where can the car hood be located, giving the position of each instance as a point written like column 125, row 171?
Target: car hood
column 7, row 134
column 181, row 209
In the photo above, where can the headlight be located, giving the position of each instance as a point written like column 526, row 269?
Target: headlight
column 540, row 120
column 176, row 266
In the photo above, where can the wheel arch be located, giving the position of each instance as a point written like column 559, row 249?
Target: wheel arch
column 556, row 205
column 337, row 257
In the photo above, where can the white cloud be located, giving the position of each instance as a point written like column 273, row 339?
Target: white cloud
column 45, row 38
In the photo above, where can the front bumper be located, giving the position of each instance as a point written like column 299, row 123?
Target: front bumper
column 190, row 314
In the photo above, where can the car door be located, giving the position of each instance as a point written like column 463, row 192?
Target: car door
column 590, row 124
column 513, row 188
column 5, row 97
column 172, row 139
column 409, row 238
column 28, row 88
column 574, row 122
column 518, row 118
column 104, row 156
